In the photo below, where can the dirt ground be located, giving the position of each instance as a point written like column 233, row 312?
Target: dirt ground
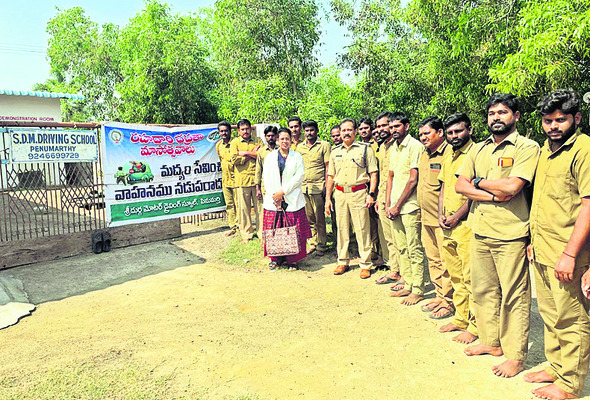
column 226, row 331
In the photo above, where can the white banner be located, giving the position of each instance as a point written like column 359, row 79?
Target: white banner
column 52, row 145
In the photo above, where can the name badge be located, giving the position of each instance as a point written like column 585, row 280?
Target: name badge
column 505, row 162
column 435, row 166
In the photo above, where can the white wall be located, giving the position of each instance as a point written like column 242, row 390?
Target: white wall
column 29, row 108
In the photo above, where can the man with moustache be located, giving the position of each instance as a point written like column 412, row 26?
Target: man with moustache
column 243, row 151
column 403, row 210
column 560, row 227
column 386, row 237
column 431, row 134
column 493, row 176
column 352, row 167
column 294, row 125
column 227, row 175
column 316, row 156
column 270, row 135
column 365, row 132
column 452, row 215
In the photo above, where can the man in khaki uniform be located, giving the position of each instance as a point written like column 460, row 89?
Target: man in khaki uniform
column 243, row 150
column 316, row 156
column 352, row 166
column 270, row 134
column 336, row 140
column 431, row 134
column 560, row 227
column 294, row 125
column 452, row 210
column 227, row 175
column 493, row 176
column 403, row 210
column 386, row 237
column 365, row 132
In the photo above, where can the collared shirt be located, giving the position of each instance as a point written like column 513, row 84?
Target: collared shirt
column 383, row 157
column 315, row 159
column 562, row 180
column 404, row 157
column 452, row 161
column 260, row 156
column 373, row 143
column 428, row 188
column 245, row 167
column 353, row 165
column 227, row 166
column 515, row 156
column 294, row 143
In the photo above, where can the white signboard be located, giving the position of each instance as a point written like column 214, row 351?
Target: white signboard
column 52, row 145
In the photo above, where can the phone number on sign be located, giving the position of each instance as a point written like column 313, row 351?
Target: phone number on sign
column 53, row 156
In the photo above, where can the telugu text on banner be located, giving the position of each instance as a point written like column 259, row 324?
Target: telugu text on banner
column 153, row 173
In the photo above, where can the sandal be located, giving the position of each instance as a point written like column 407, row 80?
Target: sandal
column 273, row 265
column 386, row 279
column 293, row 267
column 430, row 307
column 397, row 287
column 448, row 312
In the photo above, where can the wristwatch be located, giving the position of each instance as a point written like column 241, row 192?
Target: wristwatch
column 373, row 195
column 476, row 182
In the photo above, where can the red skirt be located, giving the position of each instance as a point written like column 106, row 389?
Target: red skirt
column 298, row 218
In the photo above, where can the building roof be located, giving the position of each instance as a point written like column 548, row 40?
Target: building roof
column 42, row 94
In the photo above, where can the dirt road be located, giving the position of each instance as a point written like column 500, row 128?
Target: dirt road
column 223, row 330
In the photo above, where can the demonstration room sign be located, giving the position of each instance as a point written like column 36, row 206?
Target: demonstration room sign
column 51, row 145
column 153, row 173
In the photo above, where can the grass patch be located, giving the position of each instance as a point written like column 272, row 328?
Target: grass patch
column 243, row 255
column 100, row 378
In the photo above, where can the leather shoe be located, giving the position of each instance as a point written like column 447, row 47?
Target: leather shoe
column 365, row 273
column 341, row 269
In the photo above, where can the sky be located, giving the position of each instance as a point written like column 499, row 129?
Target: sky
column 23, row 39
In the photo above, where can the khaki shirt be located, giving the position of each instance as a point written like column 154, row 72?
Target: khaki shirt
column 428, row 188
column 294, row 143
column 562, row 180
column 227, row 166
column 515, row 156
column 245, row 167
column 260, row 156
column 403, row 158
column 452, row 161
column 383, row 157
column 353, row 165
column 314, row 159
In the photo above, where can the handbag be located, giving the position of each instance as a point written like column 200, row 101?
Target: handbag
column 281, row 240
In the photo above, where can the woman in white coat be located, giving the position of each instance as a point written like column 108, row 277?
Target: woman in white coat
column 283, row 173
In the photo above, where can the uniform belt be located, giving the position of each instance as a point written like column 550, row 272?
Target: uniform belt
column 351, row 189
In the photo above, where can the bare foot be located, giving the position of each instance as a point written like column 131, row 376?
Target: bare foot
column 400, row 293
column 431, row 305
column 412, row 299
column 552, row 392
column 538, row 377
column 508, row 368
column 244, row 241
column 479, row 349
column 394, row 275
column 450, row 327
column 465, row 338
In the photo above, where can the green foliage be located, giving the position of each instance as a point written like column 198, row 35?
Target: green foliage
column 328, row 100
column 166, row 75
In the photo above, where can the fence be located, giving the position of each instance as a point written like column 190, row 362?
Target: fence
column 54, row 198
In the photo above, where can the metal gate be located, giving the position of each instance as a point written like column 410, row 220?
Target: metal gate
column 45, row 199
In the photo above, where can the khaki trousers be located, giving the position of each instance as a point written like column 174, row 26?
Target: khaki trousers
column 374, row 229
column 455, row 256
column 432, row 239
column 246, row 201
column 412, row 259
column 389, row 250
column 501, row 294
column 564, row 310
column 350, row 207
column 314, row 209
column 229, row 194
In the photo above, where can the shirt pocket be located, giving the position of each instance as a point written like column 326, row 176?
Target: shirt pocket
column 558, row 185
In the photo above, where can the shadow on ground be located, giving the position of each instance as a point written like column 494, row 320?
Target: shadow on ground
column 60, row 279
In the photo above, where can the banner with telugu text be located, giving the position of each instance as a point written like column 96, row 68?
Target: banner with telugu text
column 153, row 173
